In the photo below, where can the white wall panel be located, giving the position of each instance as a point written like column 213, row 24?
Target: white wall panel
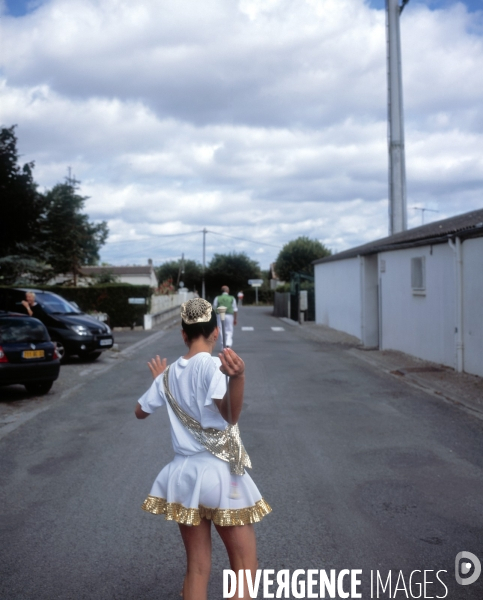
column 473, row 306
column 419, row 324
column 338, row 295
column 370, row 301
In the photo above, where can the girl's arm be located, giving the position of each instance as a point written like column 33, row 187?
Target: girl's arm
column 139, row 412
column 233, row 366
column 157, row 367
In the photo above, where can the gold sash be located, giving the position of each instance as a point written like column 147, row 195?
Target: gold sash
column 226, row 445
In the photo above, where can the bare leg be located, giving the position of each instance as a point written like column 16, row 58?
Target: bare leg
column 241, row 545
column 197, row 542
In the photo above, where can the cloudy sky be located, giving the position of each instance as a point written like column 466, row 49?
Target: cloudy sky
column 256, row 119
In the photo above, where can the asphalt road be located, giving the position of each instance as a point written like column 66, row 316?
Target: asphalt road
column 362, row 472
column 17, row 405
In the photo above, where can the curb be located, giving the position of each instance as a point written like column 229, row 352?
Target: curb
column 381, row 363
column 420, row 384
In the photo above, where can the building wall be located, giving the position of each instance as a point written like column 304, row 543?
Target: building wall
column 162, row 303
column 139, row 279
column 370, row 300
column 421, row 324
column 473, row 306
column 338, row 295
column 373, row 299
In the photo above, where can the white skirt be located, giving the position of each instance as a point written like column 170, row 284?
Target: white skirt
column 199, row 486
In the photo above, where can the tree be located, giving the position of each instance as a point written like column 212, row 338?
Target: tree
column 191, row 277
column 73, row 240
column 233, row 270
column 22, row 210
column 104, row 276
column 297, row 257
column 20, row 269
column 21, row 205
column 41, row 235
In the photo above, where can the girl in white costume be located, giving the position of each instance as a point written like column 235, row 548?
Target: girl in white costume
column 198, row 486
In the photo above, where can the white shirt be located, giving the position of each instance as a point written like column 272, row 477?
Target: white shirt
column 194, row 383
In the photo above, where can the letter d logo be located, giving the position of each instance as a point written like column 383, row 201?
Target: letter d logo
column 466, row 567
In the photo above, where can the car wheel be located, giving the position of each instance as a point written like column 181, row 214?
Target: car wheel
column 38, row 387
column 61, row 351
column 90, row 356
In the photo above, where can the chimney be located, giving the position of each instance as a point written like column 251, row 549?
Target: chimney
column 150, row 262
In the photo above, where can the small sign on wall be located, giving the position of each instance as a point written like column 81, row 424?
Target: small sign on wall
column 136, row 300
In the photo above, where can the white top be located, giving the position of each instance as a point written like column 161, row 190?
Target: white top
column 194, row 383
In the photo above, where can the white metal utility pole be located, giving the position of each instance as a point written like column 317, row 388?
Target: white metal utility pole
column 180, row 270
column 203, row 291
column 397, row 164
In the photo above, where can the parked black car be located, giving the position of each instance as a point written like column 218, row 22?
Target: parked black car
column 72, row 330
column 27, row 356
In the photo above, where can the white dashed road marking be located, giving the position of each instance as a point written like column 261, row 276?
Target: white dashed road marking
column 278, row 329
column 247, row 328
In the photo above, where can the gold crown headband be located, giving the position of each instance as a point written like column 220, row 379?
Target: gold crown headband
column 196, row 310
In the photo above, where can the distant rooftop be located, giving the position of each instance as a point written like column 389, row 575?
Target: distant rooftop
column 142, row 270
column 466, row 225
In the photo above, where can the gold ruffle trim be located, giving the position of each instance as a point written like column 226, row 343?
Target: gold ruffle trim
column 173, row 511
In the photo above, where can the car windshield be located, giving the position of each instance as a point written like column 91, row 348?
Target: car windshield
column 18, row 330
column 56, row 305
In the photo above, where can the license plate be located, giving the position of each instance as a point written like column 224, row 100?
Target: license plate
column 33, row 354
column 105, row 342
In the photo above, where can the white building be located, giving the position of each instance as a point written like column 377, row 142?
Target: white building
column 419, row 291
column 137, row 275
column 275, row 281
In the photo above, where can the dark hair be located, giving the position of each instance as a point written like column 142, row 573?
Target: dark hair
column 195, row 330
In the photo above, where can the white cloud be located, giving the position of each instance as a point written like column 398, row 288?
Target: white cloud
column 441, row 60
column 259, row 119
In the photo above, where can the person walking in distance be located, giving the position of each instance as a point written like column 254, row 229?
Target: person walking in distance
column 229, row 303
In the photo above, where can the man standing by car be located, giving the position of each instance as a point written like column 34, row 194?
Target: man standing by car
column 231, row 313
column 32, row 308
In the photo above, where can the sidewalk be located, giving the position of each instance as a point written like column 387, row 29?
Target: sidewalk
column 460, row 389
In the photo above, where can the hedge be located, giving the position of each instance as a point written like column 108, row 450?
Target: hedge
column 264, row 296
column 110, row 298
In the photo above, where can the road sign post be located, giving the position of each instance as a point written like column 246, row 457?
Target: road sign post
column 256, row 283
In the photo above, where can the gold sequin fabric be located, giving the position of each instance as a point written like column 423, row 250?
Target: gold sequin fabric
column 224, row 517
column 225, row 445
column 196, row 310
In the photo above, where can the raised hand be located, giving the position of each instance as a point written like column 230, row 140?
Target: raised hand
column 231, row 364
column 157, row 366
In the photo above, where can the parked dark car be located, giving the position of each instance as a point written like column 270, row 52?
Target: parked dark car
column 27, row 356
column 72, row 330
